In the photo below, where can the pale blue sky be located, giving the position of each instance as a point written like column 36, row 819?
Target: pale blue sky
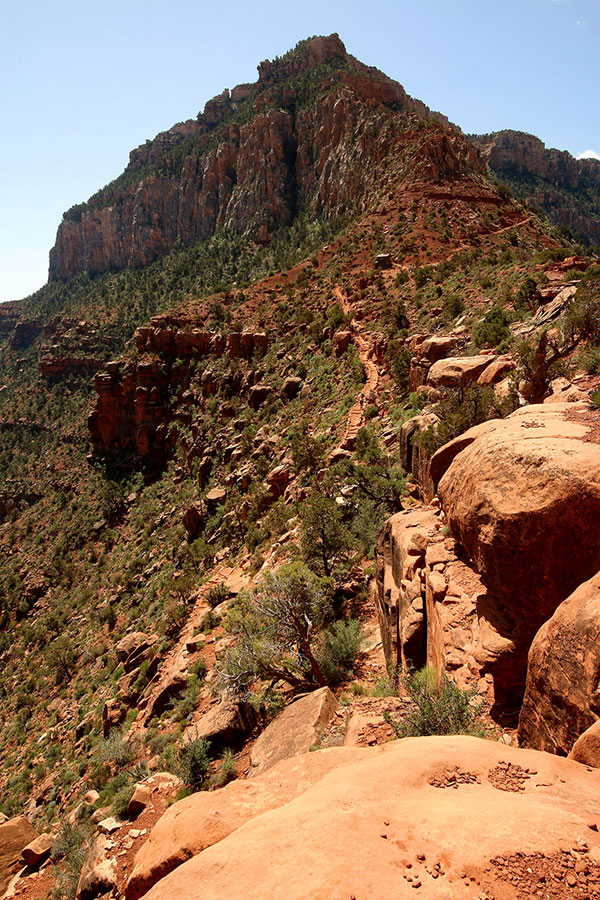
column 85, row 81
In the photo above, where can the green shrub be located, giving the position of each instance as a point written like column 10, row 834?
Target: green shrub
column 589, row 359
column 69, row 852
column 454, row 306
column 440, row 707
column 493, row 329
column 227, row 771
column 460, row 409
column 114, row 749
column 121, row 801
column 193, row 760
column 371, row 411
column 217, row 594
column 339, row 647
column 384, row 687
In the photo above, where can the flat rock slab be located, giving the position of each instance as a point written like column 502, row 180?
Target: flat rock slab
column 196, row 822
column 428, row 817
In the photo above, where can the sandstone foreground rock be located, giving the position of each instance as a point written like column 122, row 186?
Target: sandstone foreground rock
column 387, row 824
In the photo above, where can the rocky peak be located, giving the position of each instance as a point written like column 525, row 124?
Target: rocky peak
column 304, row 56
column 256, row 156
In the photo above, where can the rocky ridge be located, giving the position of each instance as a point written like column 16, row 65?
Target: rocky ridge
column 566, row 189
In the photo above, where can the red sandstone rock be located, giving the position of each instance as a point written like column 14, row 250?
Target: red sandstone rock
column 193, row 520
column 193, row 824
column 226, row 724
column 341, row 342
column 522, row 499
column 586, row 748
column 37, row 851
column 561, row 699
column 140, row 799
column 15, row 834
column 457, row 371
column 398, row 830
column 294, row 731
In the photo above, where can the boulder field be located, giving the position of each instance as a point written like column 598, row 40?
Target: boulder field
column 433, row 817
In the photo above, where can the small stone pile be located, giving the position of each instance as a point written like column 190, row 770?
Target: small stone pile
column 507, row 776
column 452, row 778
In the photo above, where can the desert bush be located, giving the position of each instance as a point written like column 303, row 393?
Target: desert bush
column 589, row 359
column 68, row 853
column 115, row 750
column 193, row 760
column 459, row 410
column 493, row 329
column 121, row 801
column 276, row 626
column 227, row 770
column 217, row 594
column 326, row 540
column 439, row 707
column 340, row 644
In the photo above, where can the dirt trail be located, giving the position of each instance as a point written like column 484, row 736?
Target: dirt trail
column 356, row 415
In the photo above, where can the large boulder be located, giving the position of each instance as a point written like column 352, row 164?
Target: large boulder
column 37, row 850
column 522, row 497
column 195, row 823
column 294, row 731
column 562, row 698
column 99, row 873
column 457, row 371
column 433, row 817
column 586, row 748
column 15, row 835
column 226, row 724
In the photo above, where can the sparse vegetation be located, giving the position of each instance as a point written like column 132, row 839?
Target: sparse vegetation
column 439, row 707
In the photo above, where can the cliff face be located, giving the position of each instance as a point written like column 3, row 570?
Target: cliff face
column 305, row 136
column 566, row 189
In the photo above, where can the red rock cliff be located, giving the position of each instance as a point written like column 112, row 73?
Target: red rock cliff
column 250, row 177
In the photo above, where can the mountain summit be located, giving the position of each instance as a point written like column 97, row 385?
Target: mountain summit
column 305, row 136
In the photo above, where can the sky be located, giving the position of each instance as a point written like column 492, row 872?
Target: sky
column 86, row 81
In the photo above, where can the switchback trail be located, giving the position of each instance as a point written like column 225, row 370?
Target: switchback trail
column 356, row 415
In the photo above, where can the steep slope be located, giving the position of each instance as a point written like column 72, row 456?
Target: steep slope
column 566, row 189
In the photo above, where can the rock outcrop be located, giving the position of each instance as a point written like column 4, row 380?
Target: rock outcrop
column 401, row 832
column 521, row 497
column 562, row 698
column 427, row 596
